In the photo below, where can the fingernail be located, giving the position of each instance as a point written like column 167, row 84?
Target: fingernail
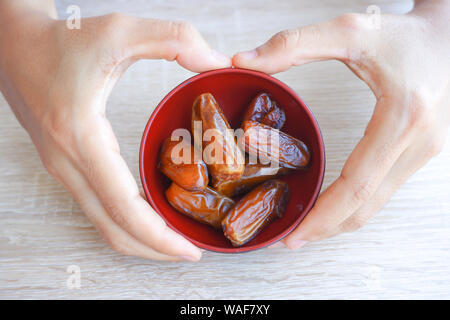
column 296, row 244
column 279, row 244
column 248, row 55
column 189, row 258
column 219, row 56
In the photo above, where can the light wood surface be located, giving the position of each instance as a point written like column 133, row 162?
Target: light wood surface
column 403, row 253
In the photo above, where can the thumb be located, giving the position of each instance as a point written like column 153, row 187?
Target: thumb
column 140, row 38
column 343, row 38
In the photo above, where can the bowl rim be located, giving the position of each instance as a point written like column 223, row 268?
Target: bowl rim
column 277, row 82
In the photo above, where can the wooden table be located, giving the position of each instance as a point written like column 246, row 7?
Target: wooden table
column 403, row 253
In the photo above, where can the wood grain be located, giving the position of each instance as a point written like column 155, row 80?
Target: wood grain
column 403, row 253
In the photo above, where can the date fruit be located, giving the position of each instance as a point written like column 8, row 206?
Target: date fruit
column 255, row 210
column 275, row 118
column 206, row 206
column 265, row 110
column 270, row 144
column 254, row 174
column 221, row 154
column 177, row 163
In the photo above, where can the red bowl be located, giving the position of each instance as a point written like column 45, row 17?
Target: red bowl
column 233, row 90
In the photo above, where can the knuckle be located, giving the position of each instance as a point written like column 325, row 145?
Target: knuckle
column 182, row 31
column 69, row 136
column 50, row 167
column 114, row 28
column 118, row 247
column 354, row 223
column 111, row 26
column 56, row 124
column 419, row 115
column 114, row 242
column 111, row 57
column 435, row 146
column 361, row 191
column 114, row 210
column 160, row 236
column 114, row 20
column 353, row 21
column 287, row 39
column 355, row 26
column 321, row 233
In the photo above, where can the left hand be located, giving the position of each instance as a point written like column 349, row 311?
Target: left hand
column 57, row 82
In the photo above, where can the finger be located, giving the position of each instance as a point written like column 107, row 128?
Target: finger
column 118, row 239
column 161, row 39
column 341, row 39
column 411, row 160
column 277, row 245
column 115, row 187
column 363, row 172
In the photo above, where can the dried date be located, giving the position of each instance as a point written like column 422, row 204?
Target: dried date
column 255, row 210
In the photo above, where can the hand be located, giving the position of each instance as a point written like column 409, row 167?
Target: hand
column 406, row 63
column 57, row 82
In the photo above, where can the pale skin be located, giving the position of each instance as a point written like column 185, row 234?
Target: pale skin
column 58, row 87
column 57, row 82
column 406, row 63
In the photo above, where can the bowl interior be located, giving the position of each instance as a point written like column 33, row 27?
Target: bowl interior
column 233, row 89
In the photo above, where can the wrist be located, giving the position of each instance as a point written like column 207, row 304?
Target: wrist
column 15, row 7
column 436, row 12
column 432, row 5
column 23, row 16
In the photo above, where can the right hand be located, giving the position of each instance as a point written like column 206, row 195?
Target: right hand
column 406, row 63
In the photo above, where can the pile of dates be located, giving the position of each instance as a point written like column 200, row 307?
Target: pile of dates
column 204, row 183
